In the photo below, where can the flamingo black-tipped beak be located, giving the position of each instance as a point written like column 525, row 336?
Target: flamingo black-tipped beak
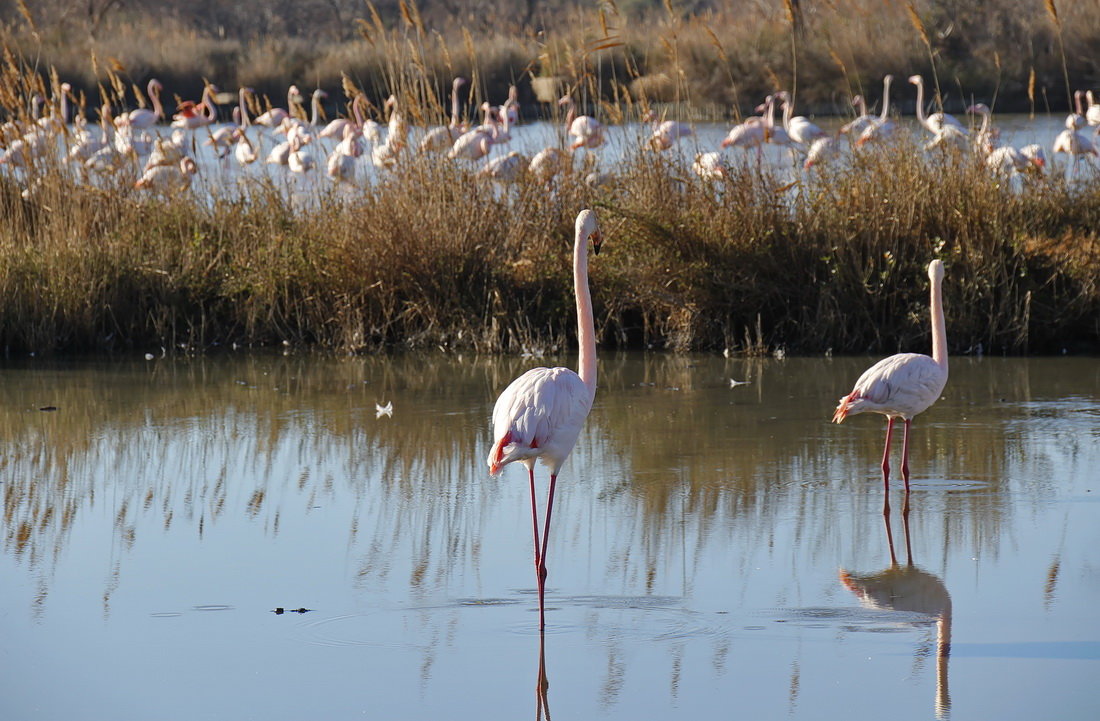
column 597, row 241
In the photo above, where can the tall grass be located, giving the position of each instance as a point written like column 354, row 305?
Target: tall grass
column 434, row 257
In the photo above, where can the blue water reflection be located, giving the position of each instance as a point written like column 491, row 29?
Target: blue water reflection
column 718, row 549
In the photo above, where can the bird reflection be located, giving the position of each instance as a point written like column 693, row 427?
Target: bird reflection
column 906, row 588
column 542, row 705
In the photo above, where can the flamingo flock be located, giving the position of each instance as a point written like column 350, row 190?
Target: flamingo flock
column 304, row 144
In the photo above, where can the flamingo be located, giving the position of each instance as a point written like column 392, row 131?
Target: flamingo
column 709, row 166
column 144, row 118
column 666, row 133
column 507, row 168
column 902, row 386
column 1076, row 144
column 550, row 162
column 821, row 151
column 168, row 178
column 587, row 130
column 188, row 119
column 855, row 128
column 749, row 134
column 799, row 128
column 1092, row 113
column 341, row 162
column 298, row 160
column 986, row 139
column 274, row 117
column 936, row 123
column 443, row 136
column 540, row 414
column 883, row 127
column 1077, row 120
column 1007, row 159
column 475, row 144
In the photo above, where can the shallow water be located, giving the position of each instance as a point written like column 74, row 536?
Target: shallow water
column 716, row 549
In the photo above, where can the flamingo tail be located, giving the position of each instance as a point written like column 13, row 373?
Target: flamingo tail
column 496, row 455
column 845, row 407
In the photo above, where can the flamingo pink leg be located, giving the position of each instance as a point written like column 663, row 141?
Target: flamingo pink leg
column 905, row 467
column 542, row 556
column 535, row 526
column 886, row 467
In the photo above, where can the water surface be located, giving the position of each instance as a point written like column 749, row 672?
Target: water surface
column 717, row 549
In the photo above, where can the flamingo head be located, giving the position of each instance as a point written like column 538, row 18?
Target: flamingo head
column 587, row 228
column 459, row 82
column 566, row 100
column 857, row 100
column 319, row 94
column 726, row 142
column 916, row 79
column 935, row 271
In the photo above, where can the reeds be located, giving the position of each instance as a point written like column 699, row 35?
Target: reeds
column 434, row 257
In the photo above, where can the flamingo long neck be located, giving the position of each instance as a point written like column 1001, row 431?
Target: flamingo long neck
column 787, row 112
column 355, row 111
column 243, row 105
column 886, row 100
column 984, row 130
column 454, row 105
column 861, row 105
column 769, row 118
column 586, row 330
column 315, row 111
column 208, row 104
column 153, row 89
column 939, row 329
column 921, row 117
column 570, row 115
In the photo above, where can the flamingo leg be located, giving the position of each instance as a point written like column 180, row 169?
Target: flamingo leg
column 535, row 524
column 886, row 467
column 905, row 467
column 542, row 556
column 890, row 540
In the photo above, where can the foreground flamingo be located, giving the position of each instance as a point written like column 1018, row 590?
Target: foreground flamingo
column 540, row 414
column 902, row 386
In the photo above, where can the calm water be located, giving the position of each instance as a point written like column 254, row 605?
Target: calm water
column 717, row 551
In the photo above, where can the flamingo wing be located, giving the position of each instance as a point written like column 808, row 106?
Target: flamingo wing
column 539, row 414
column 902, row 385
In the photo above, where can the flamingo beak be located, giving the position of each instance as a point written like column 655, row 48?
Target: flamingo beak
column 597, row 240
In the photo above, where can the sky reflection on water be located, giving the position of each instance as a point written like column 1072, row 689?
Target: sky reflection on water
column 716, row 550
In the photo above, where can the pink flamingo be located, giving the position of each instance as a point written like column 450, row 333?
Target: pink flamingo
column 144, row 118
column 192, row 115
column 274, row 117
column 540, row 414
column 902, row 386
column 587, row 130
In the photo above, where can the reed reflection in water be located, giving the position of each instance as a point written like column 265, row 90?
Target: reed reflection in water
column 173, row 504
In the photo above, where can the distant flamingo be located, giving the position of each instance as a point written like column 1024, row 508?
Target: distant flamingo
column 540, row 414
column 883, row 127
column 800, row 128
column 939, row 123
column 442, row 137
column 902, row 386
column 274, row 117
column 666, row 133
column 854, row 128
column 192, row 115
column 144, row 118
column 587, row 130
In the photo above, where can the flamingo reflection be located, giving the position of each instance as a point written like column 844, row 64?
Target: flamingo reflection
column 542, row 705
column 906, row 588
